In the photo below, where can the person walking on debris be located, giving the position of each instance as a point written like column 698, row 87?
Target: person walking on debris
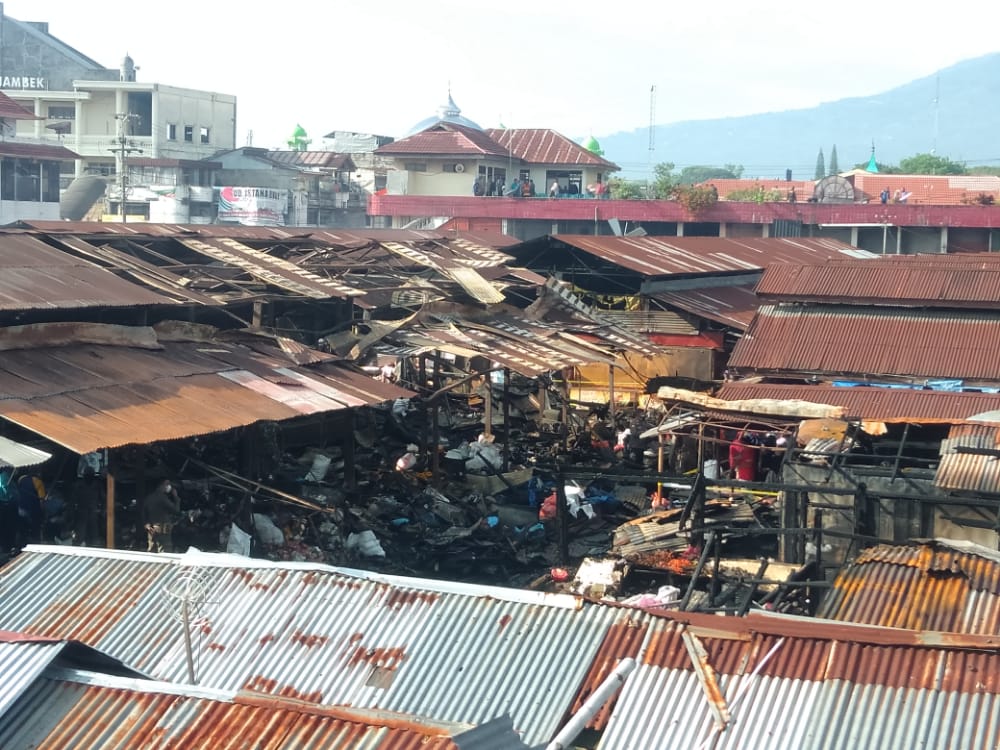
column 159, row 510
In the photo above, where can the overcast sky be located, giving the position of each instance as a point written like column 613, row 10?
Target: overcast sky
column 579, row 67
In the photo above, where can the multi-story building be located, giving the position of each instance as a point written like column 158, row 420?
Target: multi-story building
column 29, row 172
column 105, row 115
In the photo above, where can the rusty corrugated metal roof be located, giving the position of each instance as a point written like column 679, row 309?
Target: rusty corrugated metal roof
column 92, row 396
column 730, row 305
column 970, row 471
column 875, row 404
column 37, row 151
column 445, row 139
column 661, row 256
column 910, row 283
column 940, row 585
column 872, row 342
column 36, row 276
column 544, row 146
column 89, row 711
column 363, row 640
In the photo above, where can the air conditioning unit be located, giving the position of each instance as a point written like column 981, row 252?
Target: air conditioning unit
column 459, row 167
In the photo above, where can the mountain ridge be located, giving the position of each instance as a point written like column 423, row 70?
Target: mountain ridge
column 902, row 121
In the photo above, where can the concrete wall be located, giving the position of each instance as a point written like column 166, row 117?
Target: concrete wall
column 11, row 211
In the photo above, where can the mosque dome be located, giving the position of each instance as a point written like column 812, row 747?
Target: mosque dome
column 448, row 112
column 592, row 145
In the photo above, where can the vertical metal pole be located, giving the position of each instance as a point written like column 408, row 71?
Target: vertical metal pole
column 435, row 441
column 659, row 467
column 188, row 649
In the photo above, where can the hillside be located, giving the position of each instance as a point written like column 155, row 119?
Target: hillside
column 901, row 121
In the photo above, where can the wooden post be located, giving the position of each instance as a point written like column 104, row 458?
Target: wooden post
column 110, row 506
column 435, row 441
column 488, row 407
column 350, row 475
column 562, row 518
column 506, row 419
column 611, row 394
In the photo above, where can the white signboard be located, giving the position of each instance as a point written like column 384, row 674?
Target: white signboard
column 259, row 207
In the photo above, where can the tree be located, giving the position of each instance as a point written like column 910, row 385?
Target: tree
column 664, row 181
column 698, row 174
column 736, row 169
column 930, row 164
column 834, row 167
column 820, row 172
column 626, row 189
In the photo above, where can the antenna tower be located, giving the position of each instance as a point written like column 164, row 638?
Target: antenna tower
column 652, row 138
column 186, row 596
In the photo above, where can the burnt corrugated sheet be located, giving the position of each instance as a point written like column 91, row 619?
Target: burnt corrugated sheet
column 36, row 276
column 903, row 282
column 871, row 342
column 971, row 472
column 88, row 397
column 873, row 403
column 936, row 585
column 661, row 256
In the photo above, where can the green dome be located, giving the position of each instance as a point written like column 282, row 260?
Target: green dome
column 593, row 146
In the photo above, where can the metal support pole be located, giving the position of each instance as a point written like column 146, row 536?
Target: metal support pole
column 562, row 518
column 506, row 419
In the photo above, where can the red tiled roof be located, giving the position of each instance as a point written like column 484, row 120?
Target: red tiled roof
column 11, row 110
column 445, row 139
column 873, row 403
column 941, row 190
column 543, row 146
column 803, row 188
column 875, row 342
column 36, row 151
column 910, row 280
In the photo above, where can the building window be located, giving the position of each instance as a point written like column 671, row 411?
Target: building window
column 189, row 133
column 453, row 167
column 171, row 131
column 61, row 113
column 21, row 179
column 204, row 135
column 415, row 166
column 50, row 181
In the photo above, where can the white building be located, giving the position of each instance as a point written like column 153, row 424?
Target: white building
column 103, row 114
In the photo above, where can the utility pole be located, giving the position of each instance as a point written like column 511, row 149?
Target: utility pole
column 122, row 151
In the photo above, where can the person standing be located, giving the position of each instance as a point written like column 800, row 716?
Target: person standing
column 554, row 189
column 159, row 511
column 884, row 195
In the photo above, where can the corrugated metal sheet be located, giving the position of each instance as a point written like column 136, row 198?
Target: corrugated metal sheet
column 871, row 342
column 38, row 151
column 935, row 585
column 544, row 146
column 449, row 652
column 730, row 305
column 270, row 269
column 88, row 397
column 462, row 653
column 660, row 256
column 809, row 692
column 970, row 472
column 68, row 714
column 445, row 139
column 36, row 276
column 903, row 282
column 20, row 665
column 872, row 403
column 17, row 455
